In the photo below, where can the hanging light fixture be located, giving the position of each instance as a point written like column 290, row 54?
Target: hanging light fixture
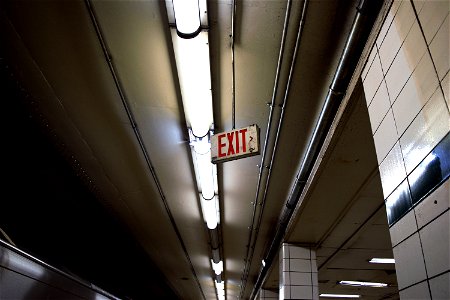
column 191, row 46
column 187, row 17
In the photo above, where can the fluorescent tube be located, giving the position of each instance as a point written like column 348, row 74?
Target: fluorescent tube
column 192, row 59
column 187, row 17
column 382, row 261
column 339, row 296
column 362, row 283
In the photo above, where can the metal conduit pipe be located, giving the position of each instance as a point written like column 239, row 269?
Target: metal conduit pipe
column 264, row 152
column 138, row 136
column 233, row 72
column 367, row 11
column 280, row 123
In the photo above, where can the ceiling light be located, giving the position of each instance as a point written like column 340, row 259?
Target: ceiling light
column 382, row 261
column 339, row 296
column 192, row 59
column 210, row 212
column 218, row 268
column 220, row 288
column 187, row 17
column 205, row 169
column 362, row 283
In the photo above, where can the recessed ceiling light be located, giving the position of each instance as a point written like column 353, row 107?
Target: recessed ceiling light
column 339, row 296
column 382, row 261
column 362, row 283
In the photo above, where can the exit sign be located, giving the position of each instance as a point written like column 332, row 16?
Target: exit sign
column 235, row 144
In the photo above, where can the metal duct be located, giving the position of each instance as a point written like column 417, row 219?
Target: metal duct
column 367, row 11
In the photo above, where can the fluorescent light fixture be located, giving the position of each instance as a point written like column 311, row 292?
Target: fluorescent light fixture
column 263, row 263
column 192, row 59
column 206, row 176
column 339, row 296
column 218, row 268
column 382, row 261
column 220, row 287
column 205, row 168
column 210, row 212
column 362, row 283
column 187, row 17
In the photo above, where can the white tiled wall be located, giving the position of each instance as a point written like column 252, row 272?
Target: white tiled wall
column 440, row 286
column 434, row 205
column 435, row 245
column 406, row 83
column 425, row 131
column 298, row 273
column 392, row 170
column 418, row 292
column 409, row 263
column 404, row 228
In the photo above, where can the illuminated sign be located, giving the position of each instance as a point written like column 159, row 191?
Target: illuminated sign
column 235, row 144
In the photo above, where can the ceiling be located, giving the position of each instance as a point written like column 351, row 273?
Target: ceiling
column 100, row 164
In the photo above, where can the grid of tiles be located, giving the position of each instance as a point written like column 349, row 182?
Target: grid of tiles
column 406, row 84
column 298, row 273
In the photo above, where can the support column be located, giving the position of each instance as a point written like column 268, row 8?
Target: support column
column 298, row 273
column 406, row 86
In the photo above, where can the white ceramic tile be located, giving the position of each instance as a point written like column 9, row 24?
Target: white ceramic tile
column 315, row 279
column 301, row 292
column 385, row 137
column 285, row 292
column 390, row 47
column 369, row 63
column 435, row 243
column 440, row 286
column 431, row 16
column 299, row 252
column 439, row 49
column 418, row 4
column 315, row 292
column 414, row 46
column 409, row 262
column 313, row 254
column 392, row 170
column 286, row 278
column 387, row 24
column 415, row 94
column 373, row 79
column 404, row 227
column 379, row 107
column 285, row 265
column 396, row 34
column 313, row 265
column 416, row 292
column 433, row 205
column 428, row 128
column 285, row 250
column 299, row 278
column 398, row 75
column 445, row 83
column 300, row 265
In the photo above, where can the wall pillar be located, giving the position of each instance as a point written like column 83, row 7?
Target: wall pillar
column 298, row 273
column 406, row 84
